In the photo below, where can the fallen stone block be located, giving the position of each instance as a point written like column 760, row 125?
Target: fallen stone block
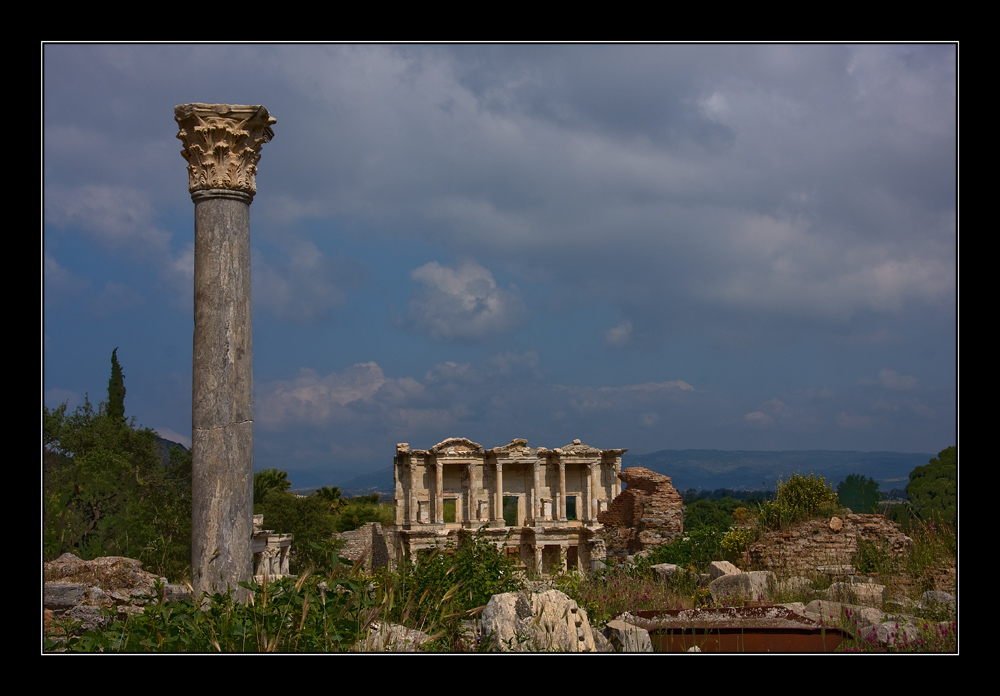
column 626, row 638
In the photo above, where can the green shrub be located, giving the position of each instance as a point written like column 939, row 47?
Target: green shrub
column 873, row 558
column 355, row 512
column 859, row 493
column 696, row 549
column 282, row 616
column 439, row 589
column 933, row 488
column 308, row 520
column 797, row 498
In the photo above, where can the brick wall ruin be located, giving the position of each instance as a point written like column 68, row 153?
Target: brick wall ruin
column 828, row 544
column 648, row 513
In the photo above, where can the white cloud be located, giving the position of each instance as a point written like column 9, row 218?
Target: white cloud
column 314, row 399
column 759, row 418
column 462, row 303
column 890, row 379
column 121, row 219
column 59, row 282
column 619, row 335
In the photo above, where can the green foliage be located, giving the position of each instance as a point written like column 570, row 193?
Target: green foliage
column 332, row 497
column 933, row 488
column 283, row 616
column 797, row 498
column 359, row 510
column 873, row 558
column 107, row 492
column 714, row 514
column 269, row 480
column 464, row 578
column 736, row 540
column 116, row 389
column 696, row 549
column 308, row 519
column 859, row 493
column 613, row 591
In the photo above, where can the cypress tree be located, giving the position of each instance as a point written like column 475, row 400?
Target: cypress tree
column 116, row 389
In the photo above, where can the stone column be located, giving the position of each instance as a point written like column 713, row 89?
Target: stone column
column 222, row 147
column 562, row 491
column 473, row 507
column 438, row 492
column 499, row 497
column 536, row 491
column 589, row 513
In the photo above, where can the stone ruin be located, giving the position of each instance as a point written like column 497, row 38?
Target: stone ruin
column 541, row 505
column 271, row 552
column 648, row 513
column 369, row 545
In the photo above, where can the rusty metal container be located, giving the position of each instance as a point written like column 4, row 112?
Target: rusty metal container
column 751, row 629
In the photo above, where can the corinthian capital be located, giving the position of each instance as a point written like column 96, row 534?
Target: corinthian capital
column 222, row 144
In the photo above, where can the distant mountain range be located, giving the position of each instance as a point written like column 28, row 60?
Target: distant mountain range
column 754, row 470
column 738, row 470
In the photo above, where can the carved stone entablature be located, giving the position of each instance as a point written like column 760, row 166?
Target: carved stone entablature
column 455, row 445
column 222, row 144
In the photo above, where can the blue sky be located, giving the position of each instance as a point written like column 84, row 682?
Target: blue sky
column 642, row 246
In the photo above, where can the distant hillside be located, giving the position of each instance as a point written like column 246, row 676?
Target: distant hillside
column 755, row 470
column 165, row 446
column 366, row 484
column 738, row 470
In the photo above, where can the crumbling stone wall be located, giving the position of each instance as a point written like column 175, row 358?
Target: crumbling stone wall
column 820, row 545
column 369, row 544
column 648, row 513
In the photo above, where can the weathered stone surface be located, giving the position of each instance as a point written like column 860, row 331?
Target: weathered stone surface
column 669, row 571
column 815, row 546
column 868, row 594
column 938, row 602
column 627, row 638
column 388, row 637
column 755, row 585
column 890, row 633
column 794, row 585
column 648, row 513
column 370, row 546
column 718, row 569
column 63, row 595
column 838, row 613
column 540, row 622
column 81, row 590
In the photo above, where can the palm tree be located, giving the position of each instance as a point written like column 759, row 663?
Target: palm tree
column 331, row 494
column 269, row 480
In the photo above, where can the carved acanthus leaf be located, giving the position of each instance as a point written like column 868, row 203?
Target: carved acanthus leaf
column 222, row 144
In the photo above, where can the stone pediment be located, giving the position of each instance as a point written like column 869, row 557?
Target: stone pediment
column 517, row 447
column 577, row 447
column 457, row 445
